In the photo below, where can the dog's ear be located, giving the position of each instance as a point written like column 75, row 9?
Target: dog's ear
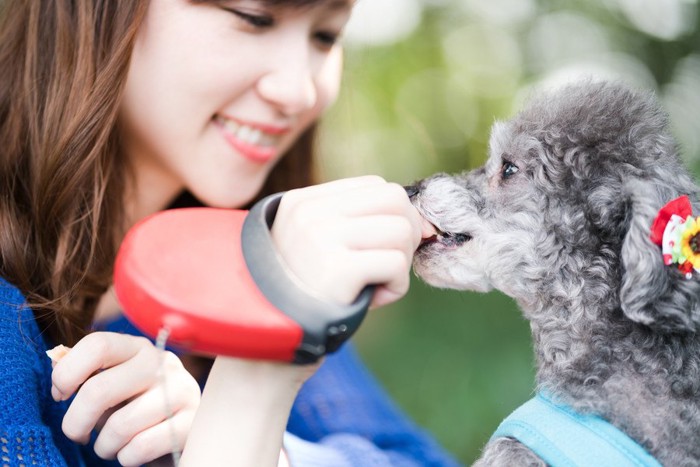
column 651, row 292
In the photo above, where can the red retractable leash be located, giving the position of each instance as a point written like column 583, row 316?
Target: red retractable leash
column 212, row 278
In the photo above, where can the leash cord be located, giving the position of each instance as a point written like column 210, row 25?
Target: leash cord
column 161, row 339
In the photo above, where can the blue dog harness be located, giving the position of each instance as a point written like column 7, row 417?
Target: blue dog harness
column 564, row 438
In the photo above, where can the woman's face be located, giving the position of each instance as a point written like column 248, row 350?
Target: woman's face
column 217, row 92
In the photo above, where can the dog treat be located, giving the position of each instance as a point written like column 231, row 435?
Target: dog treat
column 57, row 353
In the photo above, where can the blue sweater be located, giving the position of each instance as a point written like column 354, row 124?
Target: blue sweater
column 341, row 416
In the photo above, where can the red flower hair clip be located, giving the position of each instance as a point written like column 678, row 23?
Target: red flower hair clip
column 677, row 232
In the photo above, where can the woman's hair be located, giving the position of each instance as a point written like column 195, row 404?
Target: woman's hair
column 63, row 65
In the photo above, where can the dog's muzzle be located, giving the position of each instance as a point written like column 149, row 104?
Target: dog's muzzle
column 446, row 239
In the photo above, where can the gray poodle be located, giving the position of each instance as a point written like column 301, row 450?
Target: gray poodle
column 559, row 218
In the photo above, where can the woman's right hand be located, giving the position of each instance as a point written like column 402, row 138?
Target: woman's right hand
column 120, row 382
column 341, row 236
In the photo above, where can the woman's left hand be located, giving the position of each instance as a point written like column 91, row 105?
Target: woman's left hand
column 120, row 384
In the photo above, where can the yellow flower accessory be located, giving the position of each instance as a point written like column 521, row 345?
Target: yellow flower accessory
column 690, row 241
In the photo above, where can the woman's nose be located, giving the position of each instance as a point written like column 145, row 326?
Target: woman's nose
column 290, row 86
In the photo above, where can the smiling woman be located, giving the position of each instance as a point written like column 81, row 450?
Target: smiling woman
column 111, row 111
column 252, row 104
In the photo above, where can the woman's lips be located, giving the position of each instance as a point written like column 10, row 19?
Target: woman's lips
column 258, row 143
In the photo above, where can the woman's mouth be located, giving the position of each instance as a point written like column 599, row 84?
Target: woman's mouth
column 255, row 142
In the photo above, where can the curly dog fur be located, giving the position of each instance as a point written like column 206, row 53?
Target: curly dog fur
column 559, row 219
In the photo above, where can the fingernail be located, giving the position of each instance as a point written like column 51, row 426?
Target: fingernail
column 56, row 394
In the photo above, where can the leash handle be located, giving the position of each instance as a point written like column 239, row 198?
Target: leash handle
column 326, row 325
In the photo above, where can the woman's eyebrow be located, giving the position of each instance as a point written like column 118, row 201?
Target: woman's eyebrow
column 331, row 4
column 341, row 4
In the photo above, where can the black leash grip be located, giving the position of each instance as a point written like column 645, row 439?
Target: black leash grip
column 326, row 325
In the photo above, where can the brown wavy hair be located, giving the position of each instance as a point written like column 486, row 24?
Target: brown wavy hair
column 63, row 65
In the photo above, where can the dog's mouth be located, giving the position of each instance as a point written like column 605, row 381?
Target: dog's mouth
column 444, row 239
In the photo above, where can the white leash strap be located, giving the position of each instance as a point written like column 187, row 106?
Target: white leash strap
column 161, row 339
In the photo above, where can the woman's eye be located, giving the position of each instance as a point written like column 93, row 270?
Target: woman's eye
column 258, row 21
column 508, row 169
column 326, row 39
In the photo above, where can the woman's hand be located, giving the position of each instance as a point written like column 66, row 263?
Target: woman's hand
column 120, row 391
column 340, row 236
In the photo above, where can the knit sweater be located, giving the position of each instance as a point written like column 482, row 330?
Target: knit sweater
column 341, row 416
column 30, row 420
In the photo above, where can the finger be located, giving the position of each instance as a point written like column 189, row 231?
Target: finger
column 105, row 415
column 382, row 199
column 105, row 390
column 139, row 414
column 320, row 195
column 94, row 352
column 158, row 440
column 386, row 198
column 332, row 187
column 386, row 268
column 143, row 412
column 183, row 389
column 427, row 229
column 382, row 232
column 383, row 296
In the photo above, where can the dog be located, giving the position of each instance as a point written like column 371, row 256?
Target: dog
column 559, row 218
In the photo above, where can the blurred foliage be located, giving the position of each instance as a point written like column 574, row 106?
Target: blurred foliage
column 457, row 362
column 421, row 101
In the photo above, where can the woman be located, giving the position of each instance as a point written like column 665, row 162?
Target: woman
column 109, row 110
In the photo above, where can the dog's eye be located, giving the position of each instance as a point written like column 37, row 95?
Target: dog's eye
column 508, row 169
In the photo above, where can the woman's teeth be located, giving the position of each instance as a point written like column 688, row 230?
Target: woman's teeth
column 247, row 134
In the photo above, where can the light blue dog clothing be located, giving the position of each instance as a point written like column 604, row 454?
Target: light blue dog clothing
column 564, row 438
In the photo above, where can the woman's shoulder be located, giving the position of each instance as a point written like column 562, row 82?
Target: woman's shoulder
column 30, row 421
column 19, row 331
column 24, row 368
column 9, row 294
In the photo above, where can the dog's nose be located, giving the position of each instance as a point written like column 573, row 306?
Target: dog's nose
column 411, row 190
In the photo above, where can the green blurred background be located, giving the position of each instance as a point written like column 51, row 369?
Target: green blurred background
column 425, row 79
